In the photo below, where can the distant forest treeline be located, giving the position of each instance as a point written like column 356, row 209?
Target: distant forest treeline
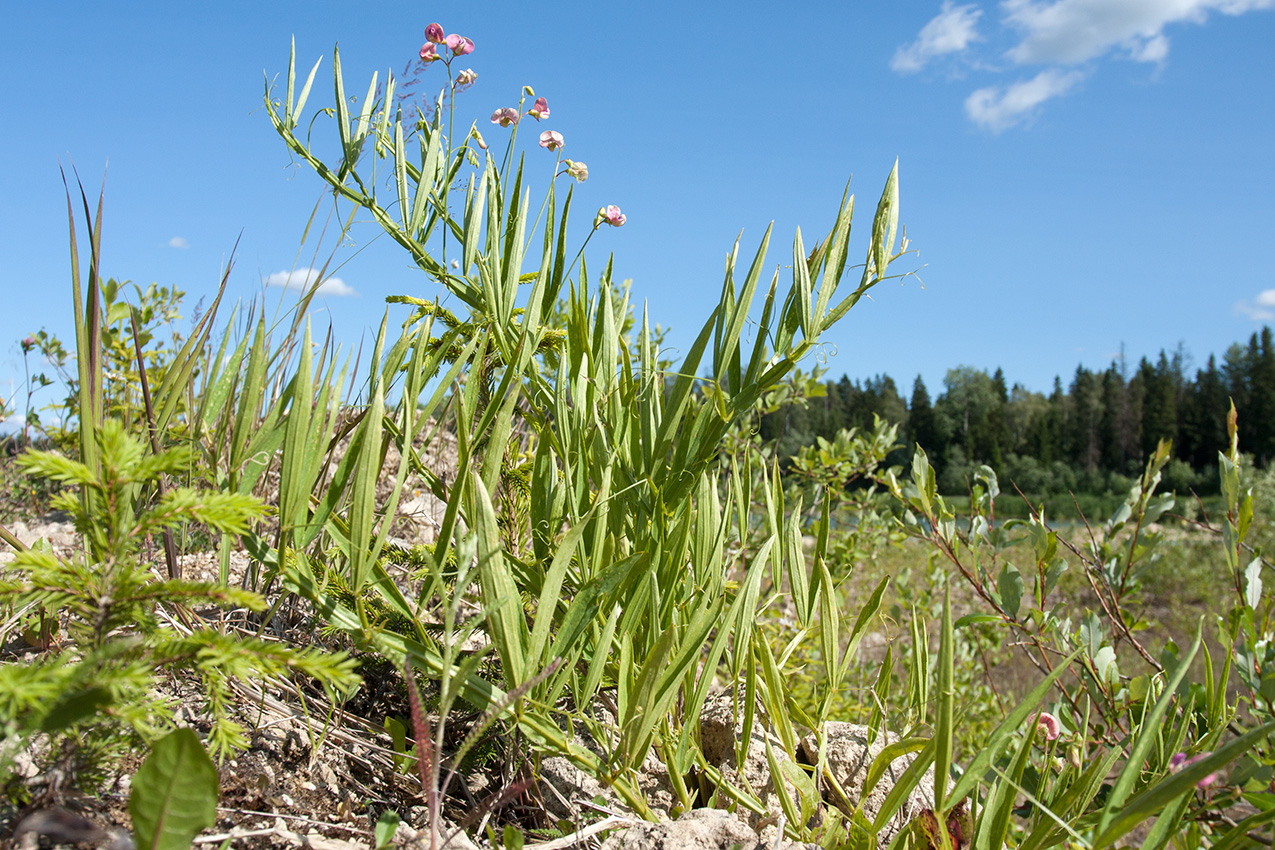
column 1092, row 436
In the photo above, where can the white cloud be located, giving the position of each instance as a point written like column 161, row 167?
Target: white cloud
column 1074, row 31
column 998, row 108
column 305, row 278
column 1261, row 309
column 951, row 31
column 178, row 242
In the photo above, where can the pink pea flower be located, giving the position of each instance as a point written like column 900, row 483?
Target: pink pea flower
column 578, row 170
column 459, row 45
column 434, row 32
column 551, row 140
column 1180, row 761
column 466, row 78
column 540, row 109
column 505, row 117
column 614, row 217
column 28, row 344
column 1048, row 725
column 429, row 53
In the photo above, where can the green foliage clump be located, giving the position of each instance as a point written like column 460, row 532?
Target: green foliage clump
column 95, row 695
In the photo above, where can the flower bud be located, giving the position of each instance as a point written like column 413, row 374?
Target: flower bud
column 1048, row 725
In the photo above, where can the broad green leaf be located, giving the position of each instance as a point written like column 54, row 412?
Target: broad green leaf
column 174, row 794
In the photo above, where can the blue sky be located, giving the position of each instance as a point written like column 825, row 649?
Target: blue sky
column 1076, row 175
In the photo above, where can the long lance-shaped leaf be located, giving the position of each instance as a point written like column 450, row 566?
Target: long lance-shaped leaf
column 715, row 650
column 292, row 111
column 883, row 233
column 835, row 260
column 292, row 79
column 342, row 117
column 381, row 131
column 177, row 379
column 294, row 498
column 776, row 694
column 366, row 474
column 551, row 591
column 801, row 286
column 1146, row 739
column 425, row 184
column 727, row 353
column 679, row 398
column 943, row 730
column 501, row 600
column 248, row 407
column 88, row 338
column 662, row 671
column 761, row 349
column 400, row 177
column 1013, row 721
column 726, row 301
column 829, row 634
column 365, row 114
column 475, row 206
column 866, row 614
column 904, row 786
column 884, row 225
column 217, row 379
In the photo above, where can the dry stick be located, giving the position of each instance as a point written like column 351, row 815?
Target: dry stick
column 170, row 547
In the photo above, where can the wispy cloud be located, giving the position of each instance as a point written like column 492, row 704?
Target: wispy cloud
column 1260, row 309
column 951, row 31
column 997, row 108
column 1074, row 31
column 178, row 242
column 304, row 279
column 1066, row 36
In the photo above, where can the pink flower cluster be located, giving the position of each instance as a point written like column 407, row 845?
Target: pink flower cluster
column 457, row 44
column 509, row 115
column 1181, row 761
